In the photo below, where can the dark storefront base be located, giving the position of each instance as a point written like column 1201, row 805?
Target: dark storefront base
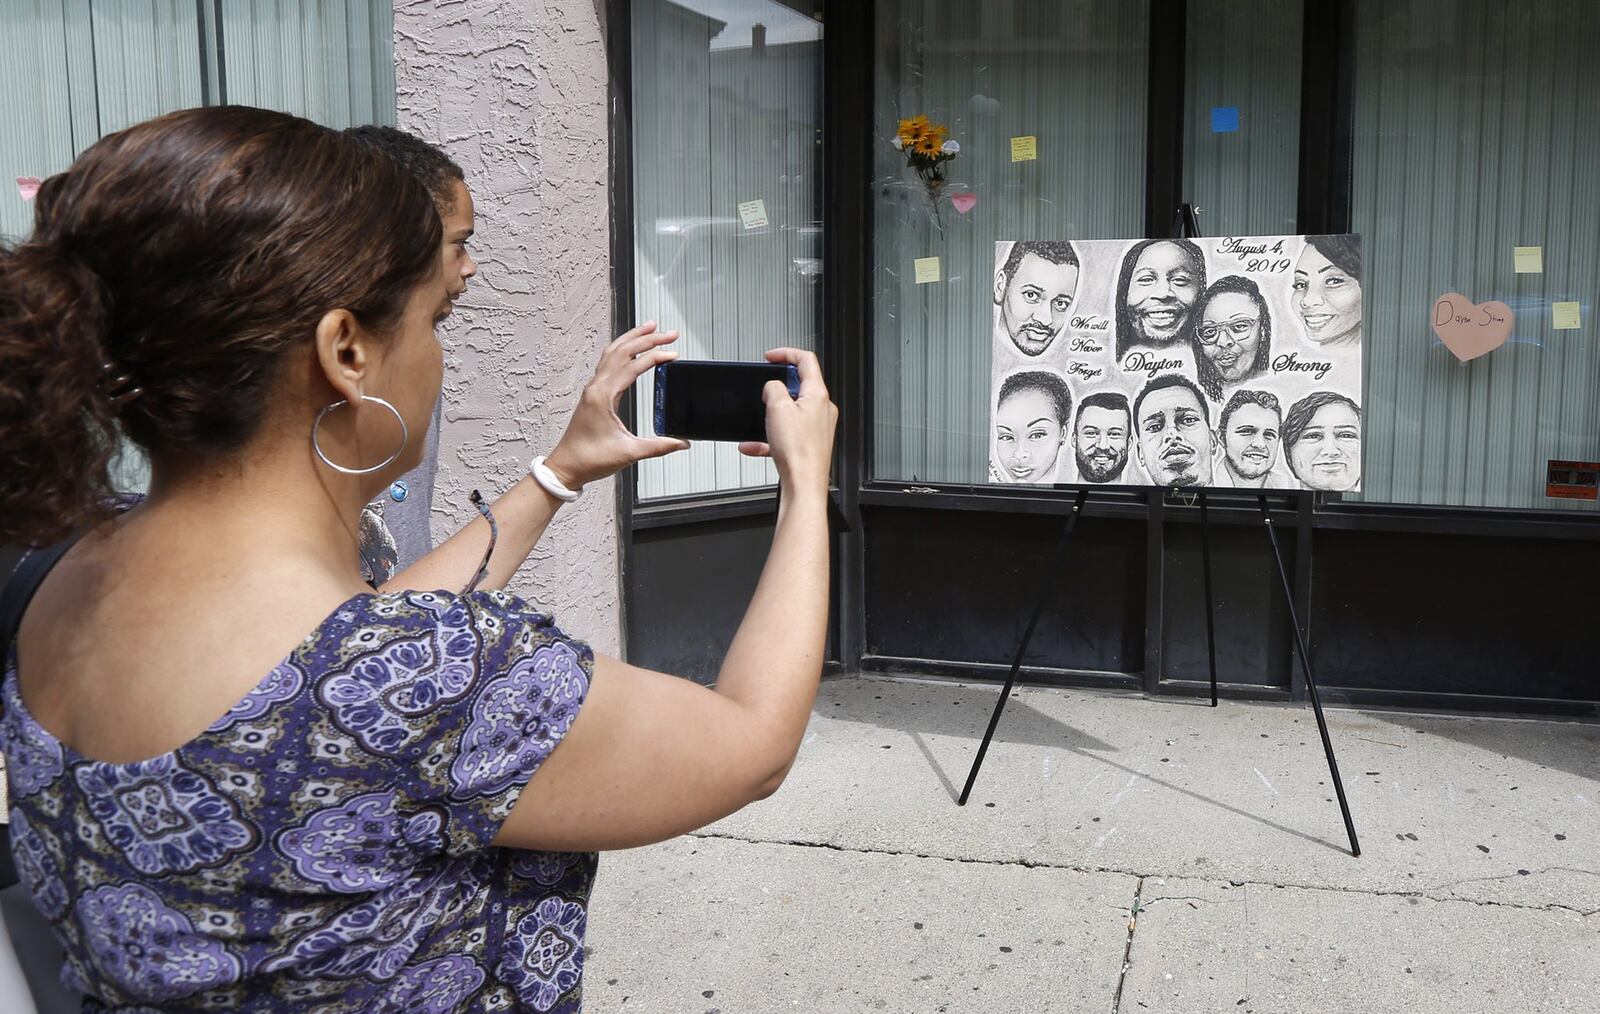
column 1416, row 619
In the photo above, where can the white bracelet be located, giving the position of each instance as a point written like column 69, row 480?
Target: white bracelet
column 543, row 476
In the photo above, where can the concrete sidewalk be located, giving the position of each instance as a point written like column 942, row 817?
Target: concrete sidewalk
column 1122, row 855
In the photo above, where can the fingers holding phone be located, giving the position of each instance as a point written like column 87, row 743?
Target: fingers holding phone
column 778, row 409
column 800, row 430
column 596, row 443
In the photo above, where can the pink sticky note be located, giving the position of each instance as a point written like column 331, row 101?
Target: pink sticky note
column 1470, row 329
column 964, row 201
column 28, row 186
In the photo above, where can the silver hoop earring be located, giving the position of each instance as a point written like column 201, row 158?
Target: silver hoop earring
column 405, row 435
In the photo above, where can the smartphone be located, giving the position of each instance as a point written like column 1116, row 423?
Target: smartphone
column 716, row 400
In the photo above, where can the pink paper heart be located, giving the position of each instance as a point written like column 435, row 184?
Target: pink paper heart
column 28, row 186
column 1470, row 329
column 964, row 201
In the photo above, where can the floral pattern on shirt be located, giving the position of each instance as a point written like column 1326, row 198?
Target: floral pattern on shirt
column 325, row 845
column 32, row 762
column 361, row 845
column 377, row 937
column 38, row 867
column 377, row 697
column 164, row 817
column 282, row 683
column 519, row 718
column 149, row 949
column 433, row 987
column 546, row 868
column 545, row 954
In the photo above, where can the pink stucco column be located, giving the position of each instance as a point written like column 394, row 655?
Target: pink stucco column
column 515, row 91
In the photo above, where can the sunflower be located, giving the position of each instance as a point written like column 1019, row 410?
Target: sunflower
column 928, row 145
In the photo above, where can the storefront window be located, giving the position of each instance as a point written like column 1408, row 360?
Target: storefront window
column 1473, row 137
column 727, row 187
column 91, row 67
column 1241, row 139
column 1067, row 81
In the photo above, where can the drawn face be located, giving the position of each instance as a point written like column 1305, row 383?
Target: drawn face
column 1161, row 290
column 1027, row 437
column 1174, row 440
column 1250, row 440
column 1035, row 300
column 1327, row 300
column 1328, row 453
column 1228, row 332
column 1100, row 443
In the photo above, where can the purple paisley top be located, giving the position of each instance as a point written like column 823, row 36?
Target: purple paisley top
column 324, row 846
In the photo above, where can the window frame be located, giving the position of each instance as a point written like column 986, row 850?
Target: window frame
column 1323, row 206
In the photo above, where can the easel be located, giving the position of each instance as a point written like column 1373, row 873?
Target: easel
column 1184, row 225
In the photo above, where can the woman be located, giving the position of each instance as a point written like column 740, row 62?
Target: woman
column 332, row 798
column 1231, row 333
column 1323, row 435
column 1327, row 290
column 1030, row 427
column 1156, row 289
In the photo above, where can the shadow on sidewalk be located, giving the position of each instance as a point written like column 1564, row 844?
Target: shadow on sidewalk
column 963, row 713
column 1569, row 746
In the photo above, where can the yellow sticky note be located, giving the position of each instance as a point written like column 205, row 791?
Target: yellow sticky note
column 1564, row 316
column 1024, row 149
column 927, row 269
column 1530, row 259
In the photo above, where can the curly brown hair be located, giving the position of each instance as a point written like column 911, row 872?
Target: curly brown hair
column 183, row 257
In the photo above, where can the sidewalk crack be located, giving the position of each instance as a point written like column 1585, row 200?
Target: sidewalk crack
column 1127, row 953
column 1436, row 893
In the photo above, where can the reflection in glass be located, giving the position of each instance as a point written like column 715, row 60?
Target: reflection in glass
column 1071, row 76
column 727, row 187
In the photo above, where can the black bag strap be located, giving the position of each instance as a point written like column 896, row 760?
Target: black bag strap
column 26, row 577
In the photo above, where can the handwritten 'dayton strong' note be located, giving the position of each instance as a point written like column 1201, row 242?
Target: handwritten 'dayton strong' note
column 1470, row 329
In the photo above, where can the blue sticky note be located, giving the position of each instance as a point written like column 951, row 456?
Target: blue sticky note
column 1224, row 119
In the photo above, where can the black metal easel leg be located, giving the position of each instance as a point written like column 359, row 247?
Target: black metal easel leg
column 1311, row 681
column 1047, row 593
column 1205, row 563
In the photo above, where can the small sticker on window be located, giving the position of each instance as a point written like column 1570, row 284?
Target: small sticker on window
column 753, row 214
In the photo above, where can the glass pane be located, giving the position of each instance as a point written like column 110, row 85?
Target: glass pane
column 331, row 61
column 1068, row 80
column 86, row 71
column 89, row 69
column 1473, row 137
column 727, row 192
column 1241, row 145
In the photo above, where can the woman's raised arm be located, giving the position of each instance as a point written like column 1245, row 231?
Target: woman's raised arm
column 595, row 445
column 652, row 756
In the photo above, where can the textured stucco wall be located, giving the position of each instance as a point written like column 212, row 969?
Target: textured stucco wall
column 515, row 90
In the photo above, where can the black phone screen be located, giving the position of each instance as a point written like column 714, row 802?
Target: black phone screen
column 715, row 401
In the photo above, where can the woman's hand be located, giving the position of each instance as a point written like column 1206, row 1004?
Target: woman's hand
column 596, row 444
column 799, row 430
